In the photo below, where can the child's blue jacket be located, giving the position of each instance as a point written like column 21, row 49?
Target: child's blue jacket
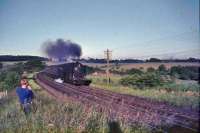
column 25, row 95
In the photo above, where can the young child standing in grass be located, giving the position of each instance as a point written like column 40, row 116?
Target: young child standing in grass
column 25, row 95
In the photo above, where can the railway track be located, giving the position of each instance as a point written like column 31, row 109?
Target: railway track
column 135, row 109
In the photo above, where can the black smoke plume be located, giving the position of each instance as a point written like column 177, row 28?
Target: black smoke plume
column 61, row 49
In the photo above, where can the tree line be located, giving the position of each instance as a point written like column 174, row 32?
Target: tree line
column 20, row 58
column 94, row 60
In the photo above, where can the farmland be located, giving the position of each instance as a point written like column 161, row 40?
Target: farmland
column 142, row 65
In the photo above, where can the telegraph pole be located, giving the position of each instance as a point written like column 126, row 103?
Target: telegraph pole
column 108, row 55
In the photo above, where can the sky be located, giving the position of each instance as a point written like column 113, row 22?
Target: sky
column 129, row 28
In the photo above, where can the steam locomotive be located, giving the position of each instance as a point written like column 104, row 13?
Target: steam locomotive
column 73, row 73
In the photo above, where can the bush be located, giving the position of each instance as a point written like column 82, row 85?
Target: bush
column 34, row 65
column 18, row 67
column 134, row 71
column 185, row 73
column 162, row 69
column 9, row 78
column 2, row 76
column 11, row 81
column 142, row 80
column 182, row 87
column 150, row 69
column 1, row 65
column 119, row 72
column 90, row 70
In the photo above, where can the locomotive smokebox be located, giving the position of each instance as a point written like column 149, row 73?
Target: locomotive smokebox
column 75, row 73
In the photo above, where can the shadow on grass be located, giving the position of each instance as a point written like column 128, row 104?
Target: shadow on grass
column 114, row 127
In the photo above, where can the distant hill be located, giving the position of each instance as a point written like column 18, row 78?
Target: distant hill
column 173, row 60
column 20, row 58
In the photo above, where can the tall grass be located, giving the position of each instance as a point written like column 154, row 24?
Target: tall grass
column 58, row 117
